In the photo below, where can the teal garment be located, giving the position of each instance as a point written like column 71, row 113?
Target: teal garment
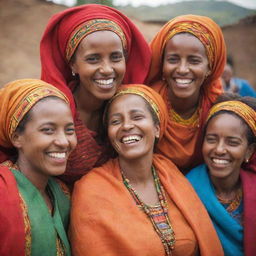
column 229, row 230
column 44, row 226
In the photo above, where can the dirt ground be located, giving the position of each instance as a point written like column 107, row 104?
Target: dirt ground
column 22, row 23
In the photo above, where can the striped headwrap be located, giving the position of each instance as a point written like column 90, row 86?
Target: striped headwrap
column 241, row 109
column 200, row 32
column 150, row 96
column 89, row 27
column 17, row 98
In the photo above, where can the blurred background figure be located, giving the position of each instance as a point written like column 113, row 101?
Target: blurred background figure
column 235, row 84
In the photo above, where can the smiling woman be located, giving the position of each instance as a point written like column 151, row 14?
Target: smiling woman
column 188, row 57
column 88, row 52
column 138, row 203
column 37, row 124
column 225, row 183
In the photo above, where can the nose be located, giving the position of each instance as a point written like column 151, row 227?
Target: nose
column 61, row 140
column 220, row 148
column 127, row 124
column 183, row 67
column 106, row 68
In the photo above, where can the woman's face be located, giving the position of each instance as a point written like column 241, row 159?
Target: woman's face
column 100, row 63
column 185, row 66
column 225, row 146
column 47, row 140
column 131, row 129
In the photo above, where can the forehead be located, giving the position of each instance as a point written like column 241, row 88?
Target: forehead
column 127, row 102
column 101, row 38
column 226, row 124
column 185, row 41
column 51, row 108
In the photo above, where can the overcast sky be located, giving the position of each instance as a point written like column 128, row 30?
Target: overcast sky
column 245, row 3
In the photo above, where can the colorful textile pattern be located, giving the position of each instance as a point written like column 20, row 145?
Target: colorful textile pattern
column 182, row 142
column 17, row 98
column 244, row 111
column 199, row 31
column 54, row 43
column 229, row 230
column 27, row 226
column 148, row 94
column 89, row 27
column 98, row 228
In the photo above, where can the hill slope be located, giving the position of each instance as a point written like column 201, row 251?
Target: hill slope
column 222, row 12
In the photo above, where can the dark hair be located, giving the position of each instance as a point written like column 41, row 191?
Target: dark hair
column 27, row 117
column 249, row 101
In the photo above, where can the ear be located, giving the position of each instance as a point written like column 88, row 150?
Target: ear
column 157, row 131
column 72, row 66
column 16, row 140
column 251, row 149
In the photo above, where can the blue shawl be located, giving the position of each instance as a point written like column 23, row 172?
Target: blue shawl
column 230, row 232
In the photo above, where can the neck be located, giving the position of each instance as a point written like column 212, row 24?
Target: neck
column 226, row 187
column 185, row 107
column 89, row 108
column 38, row 180
column 137, row 171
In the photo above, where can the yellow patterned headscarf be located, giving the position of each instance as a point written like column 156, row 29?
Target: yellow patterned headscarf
column 89, row 27
column 241, row 109
column 17, row 98
column 200, row 32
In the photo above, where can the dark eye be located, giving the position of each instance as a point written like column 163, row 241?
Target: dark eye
column 194, row 60
column 47, row 130
column 114, row 122
column 70, row 130
column 138, row 117
column 210, row 139
column 92, row 59
column 116, row 57
column 172, row 59
column 233, row 143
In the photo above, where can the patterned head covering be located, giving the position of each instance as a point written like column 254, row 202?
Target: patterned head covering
column 17, row 98
column 239, row 108
column 205, row 29
column 60, row 38
column 150, row 96
column 89, row 27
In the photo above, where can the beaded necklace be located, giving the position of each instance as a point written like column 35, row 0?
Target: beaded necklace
column 166, row 235
column 234, row 203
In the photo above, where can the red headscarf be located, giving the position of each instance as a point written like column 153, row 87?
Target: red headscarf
column 55, row 68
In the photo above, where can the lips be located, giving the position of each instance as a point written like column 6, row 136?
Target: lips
column 105, row 83
column 131, row 139
column 183, row 83
column 58, row 155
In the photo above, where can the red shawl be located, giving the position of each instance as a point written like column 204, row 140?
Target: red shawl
column 248, row 176
column 12, row 229
column 55, row 69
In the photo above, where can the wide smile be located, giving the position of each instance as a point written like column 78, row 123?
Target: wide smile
column 219, row 162
column 105, row 83
column 183, row 83
column 131, row 139
column 58, row 156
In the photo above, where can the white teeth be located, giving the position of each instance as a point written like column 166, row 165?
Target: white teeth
column 105, row 82
column 57, row 155
column 220, row 161
column 131, row 139
column 183, row 81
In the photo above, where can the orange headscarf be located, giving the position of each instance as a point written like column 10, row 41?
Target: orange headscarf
column 17, row 98
column 183, row 146
column 150, row 96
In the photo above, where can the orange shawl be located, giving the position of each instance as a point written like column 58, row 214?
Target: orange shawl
column 108, row 222
column 183, row 146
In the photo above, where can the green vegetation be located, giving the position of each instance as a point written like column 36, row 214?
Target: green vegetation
column 104, row 2
column 222, row 12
